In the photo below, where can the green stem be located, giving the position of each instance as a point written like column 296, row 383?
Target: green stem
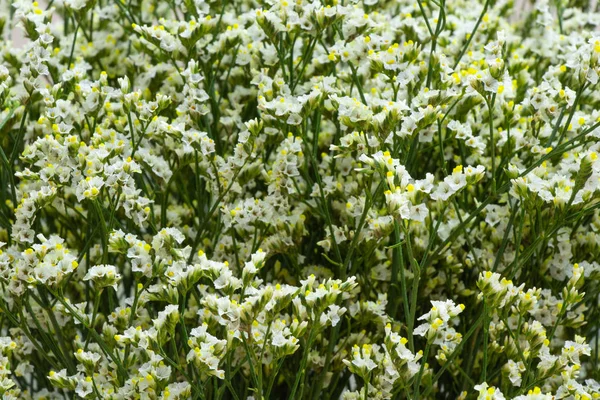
column 466, row 46
column 15, row 151
column 73, row 44
column 122, row 373
column 490, row 104
column 94, row 314
column 302, row 369
column 485, row 342
column 421, row 369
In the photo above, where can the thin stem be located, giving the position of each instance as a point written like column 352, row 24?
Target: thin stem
column 472, row 35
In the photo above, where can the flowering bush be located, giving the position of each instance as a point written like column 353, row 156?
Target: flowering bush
column 299, row 200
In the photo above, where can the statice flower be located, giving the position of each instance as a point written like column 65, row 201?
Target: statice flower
column 299, row 199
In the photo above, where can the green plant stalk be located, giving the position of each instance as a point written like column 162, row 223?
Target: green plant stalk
column 122, row 373
column 94, row 315
column 21, row 133
column 416, row 269
column 454, row 354
column 417, row 387
column 273, row 377
column 61, row 340
column 47, row 339
column 100, row 213
column 490, row 103
column 324, row 202
column 466, row 46
column 302, row 369
column 556, row 151
column 367, row 381
column 23, row 325
column 485, row 342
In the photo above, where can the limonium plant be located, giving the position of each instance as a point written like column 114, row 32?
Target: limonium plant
column 299, row 199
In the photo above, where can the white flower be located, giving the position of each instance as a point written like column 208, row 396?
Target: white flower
column 103, row 275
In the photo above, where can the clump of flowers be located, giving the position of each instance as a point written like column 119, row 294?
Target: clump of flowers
column 299, row 199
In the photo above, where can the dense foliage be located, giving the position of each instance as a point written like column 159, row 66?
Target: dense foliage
column 299, row 199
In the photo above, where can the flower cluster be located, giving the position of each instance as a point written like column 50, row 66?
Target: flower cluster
column 364, row 199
